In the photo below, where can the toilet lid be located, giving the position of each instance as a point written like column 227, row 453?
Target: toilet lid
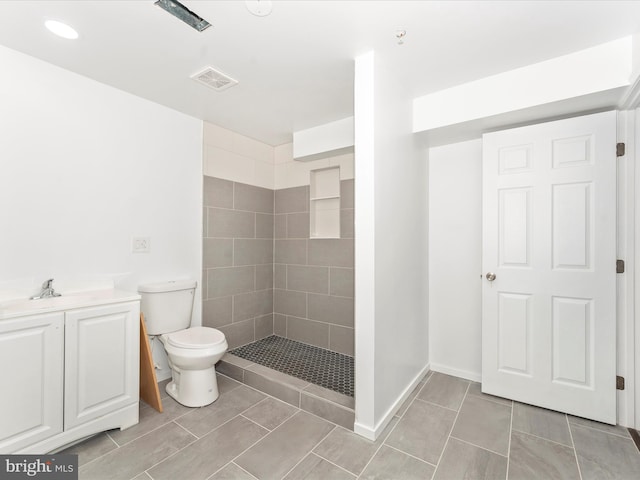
column 196, row 337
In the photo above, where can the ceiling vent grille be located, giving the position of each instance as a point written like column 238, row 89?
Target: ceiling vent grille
column 212, row 78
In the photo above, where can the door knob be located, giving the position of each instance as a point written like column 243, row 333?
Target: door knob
column 491, row 276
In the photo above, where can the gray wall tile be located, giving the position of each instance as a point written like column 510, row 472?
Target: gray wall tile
column 308, row 279
column 330, row 252
column 218, row 192
column 239, row 333
column 253, row 199
column 291, row 252
column 347, row 193
column 264, row 225
column 308, row 331
column 341, row 282
column 341, row 339
column 264, row 277
column 298, row 225
column 292, row 200
column 280, row 276
column 231, row 223
column 217, row 252
column 279, row 324
column 230, row 280
column 264, row 326
column 291, row 303
column 346, row 223
column 217, row 312
column 280, row 225
column 336, row 310
column 252, row 304
column 252, row 251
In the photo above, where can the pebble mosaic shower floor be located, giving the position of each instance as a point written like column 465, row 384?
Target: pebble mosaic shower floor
column 313, row 364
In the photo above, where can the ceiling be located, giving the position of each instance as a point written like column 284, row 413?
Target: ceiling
column 295, row 66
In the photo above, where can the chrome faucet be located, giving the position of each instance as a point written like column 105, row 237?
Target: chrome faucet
column 47, row 291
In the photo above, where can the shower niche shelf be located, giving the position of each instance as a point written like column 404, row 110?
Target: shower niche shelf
column 324, row 203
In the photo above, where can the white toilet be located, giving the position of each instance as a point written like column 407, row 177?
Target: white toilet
column 192, row 352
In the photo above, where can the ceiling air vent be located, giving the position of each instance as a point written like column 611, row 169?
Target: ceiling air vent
column 212, row 78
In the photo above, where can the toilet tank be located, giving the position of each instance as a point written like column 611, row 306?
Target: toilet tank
column 167, row 306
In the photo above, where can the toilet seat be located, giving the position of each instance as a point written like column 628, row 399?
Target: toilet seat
column 196, row 338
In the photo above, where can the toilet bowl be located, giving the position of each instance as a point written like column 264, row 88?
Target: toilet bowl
column 192, row 352
column 192, row 355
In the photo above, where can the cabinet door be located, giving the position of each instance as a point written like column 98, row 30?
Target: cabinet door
column 31, row 356
column 101, row 361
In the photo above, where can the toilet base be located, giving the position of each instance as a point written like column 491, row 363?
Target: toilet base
column 193, row 388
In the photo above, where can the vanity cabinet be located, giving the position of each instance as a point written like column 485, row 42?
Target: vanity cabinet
column 31, row 356
column 68, row 374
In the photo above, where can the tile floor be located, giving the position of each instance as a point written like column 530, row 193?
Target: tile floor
column 447, row 430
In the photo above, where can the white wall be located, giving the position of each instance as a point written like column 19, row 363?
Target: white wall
column 83, row 168
column 455, row 259
column 391, row 325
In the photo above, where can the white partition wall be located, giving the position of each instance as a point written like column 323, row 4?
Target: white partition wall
column 391, row 245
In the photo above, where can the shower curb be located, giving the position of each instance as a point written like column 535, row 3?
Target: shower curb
column 320, row 401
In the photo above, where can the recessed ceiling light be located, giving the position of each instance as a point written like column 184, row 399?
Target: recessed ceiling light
column 61, row 29
column 260, row 8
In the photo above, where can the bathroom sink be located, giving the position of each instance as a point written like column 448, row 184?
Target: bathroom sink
column 41, row 303
column 25, row 306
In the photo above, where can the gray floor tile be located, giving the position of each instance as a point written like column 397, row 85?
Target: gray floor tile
column 270, row 412
column 542, row 423
column 283, row 448
column 316, row 468
column 533, row 458
column 444, row 390
column 409, row 399
column 337, row 414
column 150, row 419
column 461, row 460
column 202, row 420
column 484, row 423
column 349, row 450
column 207, row 455
column 143, row 476
column 137, row 456
column 605, row 456
column 603, row 427
column 226, row 384
column 476, row 389
column 231, row 472
column 423, row 431
column 392, row 464
column 92, row 448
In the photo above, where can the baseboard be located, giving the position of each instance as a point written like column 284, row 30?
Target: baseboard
column 456, row 372
column 373, row 433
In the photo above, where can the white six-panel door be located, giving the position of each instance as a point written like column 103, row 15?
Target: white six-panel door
column 549, row 237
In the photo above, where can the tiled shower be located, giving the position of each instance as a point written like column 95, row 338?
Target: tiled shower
column 264, row 275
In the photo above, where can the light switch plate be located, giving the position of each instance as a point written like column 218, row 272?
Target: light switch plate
column 140, row 244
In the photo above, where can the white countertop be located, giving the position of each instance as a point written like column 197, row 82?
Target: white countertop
column 22, row 307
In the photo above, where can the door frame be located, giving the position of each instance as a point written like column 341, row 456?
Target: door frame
column 628, row 290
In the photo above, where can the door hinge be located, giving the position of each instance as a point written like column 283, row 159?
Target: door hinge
column 620, row 149
column 619, row 266
column 619, row 383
